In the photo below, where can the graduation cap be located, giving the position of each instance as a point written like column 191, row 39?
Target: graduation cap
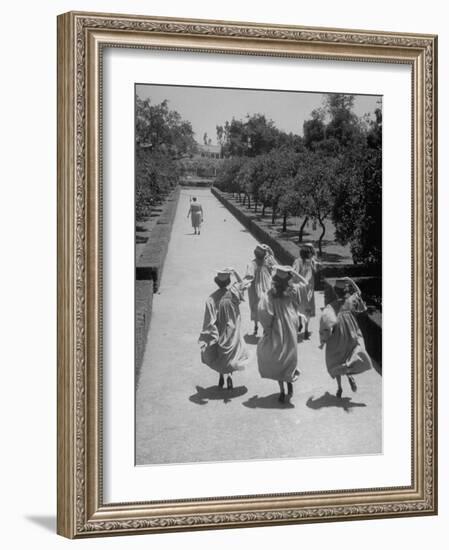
column 283, row 272
column 345, row 282
column 308, row 246
column 262, row 248
column 223, row 274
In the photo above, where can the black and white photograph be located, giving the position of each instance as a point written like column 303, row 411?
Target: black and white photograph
column 258, row 274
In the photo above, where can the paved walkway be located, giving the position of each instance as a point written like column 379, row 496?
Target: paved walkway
column 181, row 414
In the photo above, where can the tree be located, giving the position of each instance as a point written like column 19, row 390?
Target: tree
column 227, row 175
column 314, row 130
column 356, row 214
column 344, row 124
column 254, row 136
column 162, row 136
column 315, row 184
column 163, row 130
column 337, row 134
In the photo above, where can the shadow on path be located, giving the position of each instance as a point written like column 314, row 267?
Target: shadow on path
column 267, row 402
column 328, row 400
column 204, row 395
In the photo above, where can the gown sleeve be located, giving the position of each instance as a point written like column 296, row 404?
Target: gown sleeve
column 328, row 320
column 299, row 294
column 356, row 304
column 265, row 310
column 270, row 261
column 249, row 275
column 209, row 332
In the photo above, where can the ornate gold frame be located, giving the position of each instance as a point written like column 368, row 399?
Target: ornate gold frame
column 81, row 37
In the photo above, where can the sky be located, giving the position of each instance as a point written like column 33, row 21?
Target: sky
column 206, row 108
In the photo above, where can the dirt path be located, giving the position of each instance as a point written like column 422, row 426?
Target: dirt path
column 181, row 415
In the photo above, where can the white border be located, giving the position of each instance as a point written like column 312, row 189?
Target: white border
column 123, row 482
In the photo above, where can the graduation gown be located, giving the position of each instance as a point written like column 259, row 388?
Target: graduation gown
column 225, row 350
column 259, row 273
column 307, row 269
column 277, row 350
column 345, row 345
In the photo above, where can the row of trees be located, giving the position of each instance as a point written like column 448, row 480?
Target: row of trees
column 333, row 172
column 162, row 138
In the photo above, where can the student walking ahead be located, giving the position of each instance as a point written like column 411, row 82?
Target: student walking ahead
column 196, row 214
column 258, row 273
column 222, row 346
column 277, row 351
column 340, row 333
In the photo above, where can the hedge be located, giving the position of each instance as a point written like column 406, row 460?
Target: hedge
column 148, row 274
column 151, row 261
column 144, row 291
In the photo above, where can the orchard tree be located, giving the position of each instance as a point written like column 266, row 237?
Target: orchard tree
column 227, row 175
column 163, row 130
column 314, row 130
column 357, row 211
column 253, row 136
column 315, row 185
column 344, row 124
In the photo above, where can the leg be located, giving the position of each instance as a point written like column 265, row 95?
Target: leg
column 340, row 389
column 289, row 389
column 306, row 330
column 352, row 383
column 229, row 383
column 282, row 391
column 221, row 381
column 256, row 327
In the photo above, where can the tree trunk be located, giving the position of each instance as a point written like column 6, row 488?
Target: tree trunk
column 284, row 223
column 273, row 214
column 255, row 206
column 249, row 201
column 323, row 231
column 301, row 229
column 263, row 209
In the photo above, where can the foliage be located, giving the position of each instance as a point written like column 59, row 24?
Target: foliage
column 161, row 138
column 356, row 209
column 163, row 130
column 334, row 171
column 254, row 136
column 156, row 175
column 227, row 175
column 204, row 167
column 315, row 183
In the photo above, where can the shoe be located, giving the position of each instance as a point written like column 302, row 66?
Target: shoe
column 352, row 383
column 307, row 335
column 221, row 381
column 229, row 383
column 281, row 397
column 339, row 392
column 289, row 389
